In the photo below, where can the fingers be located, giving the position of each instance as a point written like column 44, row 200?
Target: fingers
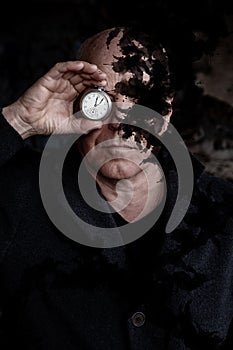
column 84, row 67
column 88, row 125
column 80, row 87
column 61, row 68
column 88, row 83
column 80, row 74
column 97, row 77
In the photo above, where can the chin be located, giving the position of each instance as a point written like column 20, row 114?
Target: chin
column 119, row 169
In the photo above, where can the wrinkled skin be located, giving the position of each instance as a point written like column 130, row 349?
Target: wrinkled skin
column 132, row 68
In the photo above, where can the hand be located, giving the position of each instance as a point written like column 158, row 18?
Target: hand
column 47, row 106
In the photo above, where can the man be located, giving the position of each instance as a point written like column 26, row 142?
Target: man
column 161, row 291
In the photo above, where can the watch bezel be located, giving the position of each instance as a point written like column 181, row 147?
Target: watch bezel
column 99, row 90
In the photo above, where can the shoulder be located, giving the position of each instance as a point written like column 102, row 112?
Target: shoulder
column 213, row 194
column 217, row 190
column 19, row 168
column 213, row 202
column 19, row 180
column 18, row 184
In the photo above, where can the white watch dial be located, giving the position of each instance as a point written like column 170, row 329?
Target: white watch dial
column 96, row 105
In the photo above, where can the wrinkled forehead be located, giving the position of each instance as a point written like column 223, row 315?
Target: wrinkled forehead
column 97, row 49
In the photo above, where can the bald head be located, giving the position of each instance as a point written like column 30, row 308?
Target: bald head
column 133, row 62
column 99, row 48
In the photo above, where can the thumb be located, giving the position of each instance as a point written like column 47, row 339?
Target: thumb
column 78, row 125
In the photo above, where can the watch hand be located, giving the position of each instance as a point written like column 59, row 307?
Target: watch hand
column 96, row 101
column 99, row 102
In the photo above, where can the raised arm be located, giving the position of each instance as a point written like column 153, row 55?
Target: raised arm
column 47, row 106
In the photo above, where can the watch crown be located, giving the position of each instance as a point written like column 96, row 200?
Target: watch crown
column 100, row 88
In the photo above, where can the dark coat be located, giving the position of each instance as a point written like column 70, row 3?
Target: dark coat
column 163, row 291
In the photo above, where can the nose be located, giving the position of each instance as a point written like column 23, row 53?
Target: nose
column 121, row 107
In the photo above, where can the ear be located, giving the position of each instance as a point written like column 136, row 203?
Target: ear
column 170, row 109
column 166, row 118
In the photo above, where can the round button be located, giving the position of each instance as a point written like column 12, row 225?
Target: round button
column 138, row 319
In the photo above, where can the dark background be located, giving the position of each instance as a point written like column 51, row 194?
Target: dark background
column 198, row 34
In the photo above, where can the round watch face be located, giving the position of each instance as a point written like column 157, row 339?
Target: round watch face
column 95, row 104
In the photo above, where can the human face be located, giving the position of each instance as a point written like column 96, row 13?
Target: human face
column 107, row 149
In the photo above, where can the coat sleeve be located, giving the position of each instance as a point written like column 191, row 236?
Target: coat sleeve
column 228, row 345
column 10, row 141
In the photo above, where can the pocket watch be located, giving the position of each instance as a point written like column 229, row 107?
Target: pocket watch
column 95, row 104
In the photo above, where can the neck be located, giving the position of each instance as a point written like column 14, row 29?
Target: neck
column 136, row 197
